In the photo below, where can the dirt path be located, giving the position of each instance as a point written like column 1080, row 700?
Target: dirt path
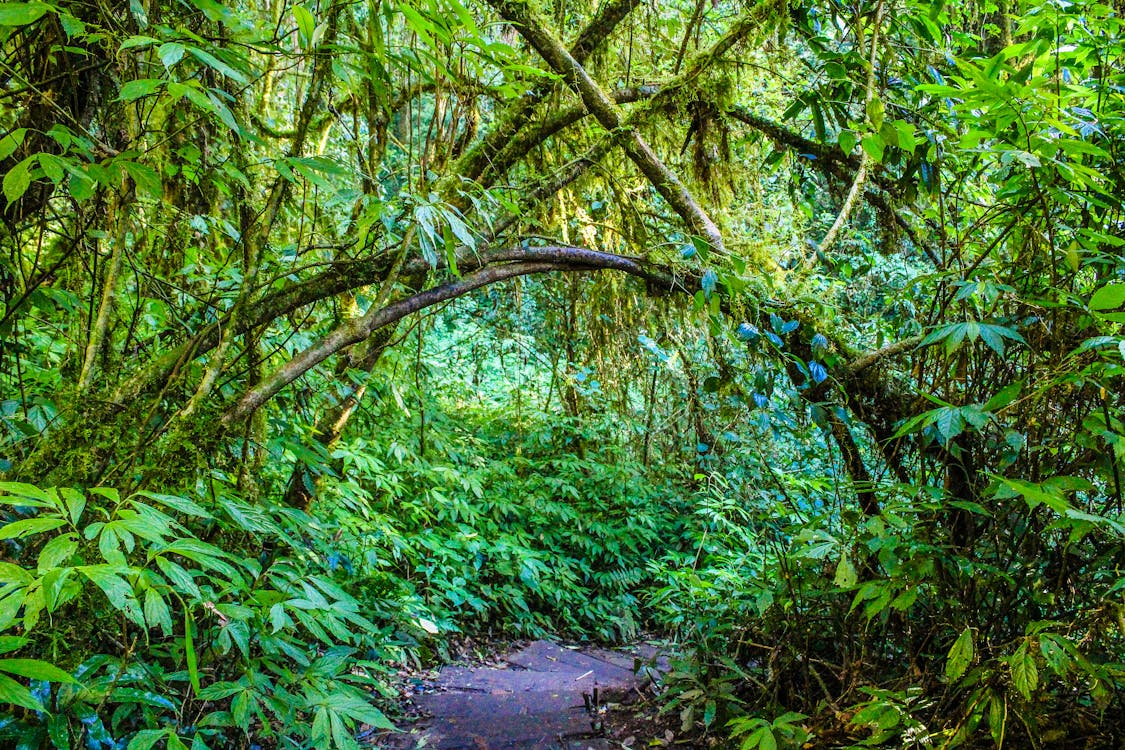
column 541, row 697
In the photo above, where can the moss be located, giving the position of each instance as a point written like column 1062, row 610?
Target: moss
column 76, row 452
column 186, row 451
column 102, row 442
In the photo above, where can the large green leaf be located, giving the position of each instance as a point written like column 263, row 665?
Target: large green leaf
column 35, row 669
column 1109, row 297
column 1025, row 675
column 16, row 694
column 960, row 655
column 21, row 14
column 29, row 527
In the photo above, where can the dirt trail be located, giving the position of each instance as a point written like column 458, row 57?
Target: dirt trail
column 542, row 697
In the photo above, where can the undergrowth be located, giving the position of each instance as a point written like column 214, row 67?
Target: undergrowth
column 202, row 620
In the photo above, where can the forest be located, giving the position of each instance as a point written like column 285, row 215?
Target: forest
column 337, row 333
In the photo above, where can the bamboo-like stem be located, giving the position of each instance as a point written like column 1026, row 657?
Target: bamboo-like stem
column 864, row 159
column 99, row 330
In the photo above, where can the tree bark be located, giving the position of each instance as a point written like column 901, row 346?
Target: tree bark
column 99, row 330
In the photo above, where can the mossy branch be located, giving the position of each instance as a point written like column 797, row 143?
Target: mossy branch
column 477, row 160
column 664, row 180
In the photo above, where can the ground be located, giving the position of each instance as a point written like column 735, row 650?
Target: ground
column 538, row 695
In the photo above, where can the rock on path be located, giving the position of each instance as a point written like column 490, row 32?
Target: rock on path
column 541, row 700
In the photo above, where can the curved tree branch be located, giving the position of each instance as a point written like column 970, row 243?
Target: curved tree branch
column 502, row 265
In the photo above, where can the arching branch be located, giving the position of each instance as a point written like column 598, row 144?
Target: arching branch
column 496, row 266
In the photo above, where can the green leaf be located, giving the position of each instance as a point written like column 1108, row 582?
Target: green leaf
column 21, row 14
column 306, row 24
column 57, row 551
column 949, row 423
column 146, row 179
column 140, row 40
column 139, row 88
column 146, row 738
column 181, row 504
column 81, row 185
column 12, row 643
column 36, row 670
column 16, row 694
column 58, row 728
column 997, row 718
column 874, row 146
column 116, row 589
column 907, row 140
column 216, row 691
column 216, row 64
column 223, row 112
column 321, row 728
column 361, row 710
column 1004, row 396
column 1109, row 297
column 460, row 229
column 171, row 53
column 52, row 167
column 110, row 547
column 1037, row 494
column 189, row 651
column 1073, row 257
column 147, row 697
column 9, row 607
column 181, row 579
column 341, row 737
column 28, row 526
column 846, row 575
column 21, row 493
column 10, row 142
column 18, row 179
column 960, row 655
column 55, row 590
column 278, row 618
column 1056, row 650
column 157, row 613
column 846, row 140
column 1024, row 674
column 875, row 113
column 992, row 339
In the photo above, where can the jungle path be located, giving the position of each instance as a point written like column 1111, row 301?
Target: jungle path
column 540, row 697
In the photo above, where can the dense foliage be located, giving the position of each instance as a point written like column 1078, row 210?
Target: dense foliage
column 790, row 331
